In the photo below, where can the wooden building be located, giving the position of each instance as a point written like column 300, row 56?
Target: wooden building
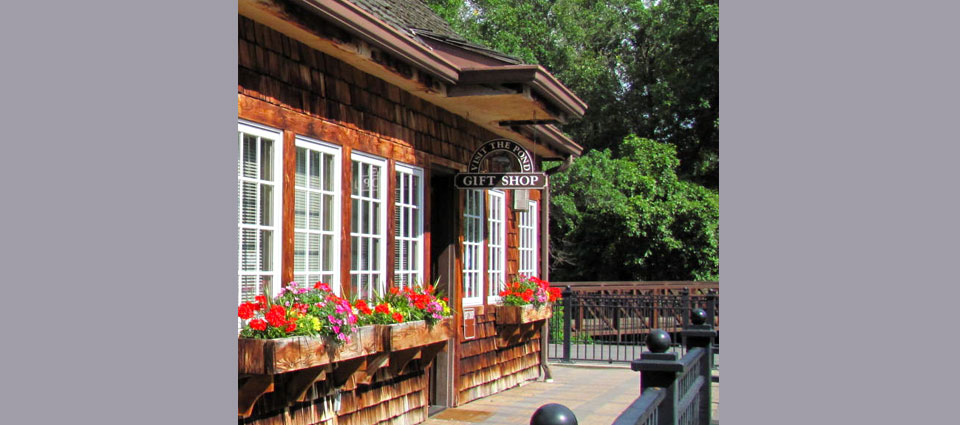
column 354, row 118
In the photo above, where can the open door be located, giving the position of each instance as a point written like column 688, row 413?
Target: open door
column 444, row 219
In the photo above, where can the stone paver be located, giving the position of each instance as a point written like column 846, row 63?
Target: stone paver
column 597, row 395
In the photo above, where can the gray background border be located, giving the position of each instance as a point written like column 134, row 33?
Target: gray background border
column 839, row 211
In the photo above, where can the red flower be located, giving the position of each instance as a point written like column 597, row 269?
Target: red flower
column 429, row 289
column 300, row 307
column 276, row 317
column 363, row 307
column 555, row 294
column 245, row 311
column 527, row 295
column 258, row 325
column 261, row 302
column 322, row 286
column 394, row 290
column 397, row 317
column 291, row 326
column 383, row 308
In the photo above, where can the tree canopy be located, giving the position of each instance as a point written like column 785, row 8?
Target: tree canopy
column 645, row 68
column 642, row 203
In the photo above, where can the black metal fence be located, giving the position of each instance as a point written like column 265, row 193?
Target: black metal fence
column 612, row 327
column 674, row 391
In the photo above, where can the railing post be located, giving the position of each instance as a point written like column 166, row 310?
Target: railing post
column 659, row 368
column 567, row 317
column 701, row 334
column 711, row 307
column 685, row 306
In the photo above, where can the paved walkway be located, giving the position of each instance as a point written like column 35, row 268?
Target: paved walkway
column 597, row 395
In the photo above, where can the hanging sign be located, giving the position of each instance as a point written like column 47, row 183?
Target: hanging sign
column 504, row 158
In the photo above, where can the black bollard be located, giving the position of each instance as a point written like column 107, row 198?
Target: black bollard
column 553, row 414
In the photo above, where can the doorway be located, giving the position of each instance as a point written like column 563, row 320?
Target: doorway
column 444, row 234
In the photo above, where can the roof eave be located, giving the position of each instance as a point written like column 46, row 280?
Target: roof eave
column 384, row 36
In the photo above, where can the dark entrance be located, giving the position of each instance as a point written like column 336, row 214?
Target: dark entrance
column 444, row 219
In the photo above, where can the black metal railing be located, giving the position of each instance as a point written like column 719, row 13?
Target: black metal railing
column 612, row 327
column 674, row 391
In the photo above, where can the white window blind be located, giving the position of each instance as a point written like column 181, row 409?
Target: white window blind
column 368, row 226
column 473, row 248
column 496, row 225
column 316, row 219
column 528, row 240
column 408, row 221
column 258, row 214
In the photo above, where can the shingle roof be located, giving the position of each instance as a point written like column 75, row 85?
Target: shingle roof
column 406, row 15
column 415, row 18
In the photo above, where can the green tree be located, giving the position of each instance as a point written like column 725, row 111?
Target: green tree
column 632, row 218
column 645, row 68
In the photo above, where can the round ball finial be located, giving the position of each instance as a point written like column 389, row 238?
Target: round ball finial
column 658, row 341
column 553, row 414
column 698, row 316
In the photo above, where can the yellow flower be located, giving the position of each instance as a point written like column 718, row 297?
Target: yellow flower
column 315, row 323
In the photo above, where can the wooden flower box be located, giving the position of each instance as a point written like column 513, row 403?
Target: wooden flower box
column 416, row 334
column 518, row 315
column 274, row 356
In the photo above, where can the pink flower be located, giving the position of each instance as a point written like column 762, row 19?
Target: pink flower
column 351, row 319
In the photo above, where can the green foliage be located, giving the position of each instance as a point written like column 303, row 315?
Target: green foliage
column 556, row 332
column 631, row 210
column 632, row 218
column 645, row 68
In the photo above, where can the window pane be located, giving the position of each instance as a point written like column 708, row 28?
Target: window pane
column 314, row 253
column 314, row 170
column 300, row 209
column 301, row 174
column 250, row 156
column 328, row 168
column 248, row 248
column 315, row 211
column 266, row 250
column 354, row 253
column 249, row 203
column 300, row 252
column 266, row 205
column 266, row 159
column 355, row 216
column 327, row 253
column 248, row 288
column 355, row 166
column 328, row 207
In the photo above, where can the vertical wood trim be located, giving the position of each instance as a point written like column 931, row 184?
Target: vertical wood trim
column 457, row 295
column 544, row 205
column 288, row 193
column 426, row 239
column 346, row 179
column 391, row 231
column 484, row 272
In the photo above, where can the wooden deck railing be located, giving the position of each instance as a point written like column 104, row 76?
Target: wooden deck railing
column 610, row 320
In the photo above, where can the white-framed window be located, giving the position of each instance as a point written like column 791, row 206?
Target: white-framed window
column 528, row 240
column 408, row 222
column 473, row 248
column 368, row 226
column 496, row 246
column 316, row 218
column 259, row 213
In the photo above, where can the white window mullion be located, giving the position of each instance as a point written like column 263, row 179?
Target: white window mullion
column 369, row 230
column 315, row 192
column 263, row 139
